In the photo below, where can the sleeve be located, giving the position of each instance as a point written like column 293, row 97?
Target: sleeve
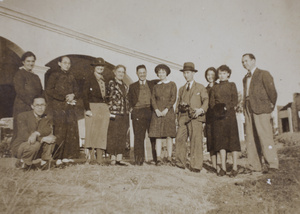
column 19, row 84
column 178, row 101
column 172, row 99
column 110, row 90
column 153, row 99
column 44, row 128
column 212, row 98
column 234, row 96
column 130, row 96
column 51, row 89
column 76, row 91
column 269, row 85
column 85, row 94
column 204, row 99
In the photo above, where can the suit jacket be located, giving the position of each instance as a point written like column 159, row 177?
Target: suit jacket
column 262, row 92
column 198, row 98
column 118, row 101
column 27, row 124
column 91, row 92
column 134, row 90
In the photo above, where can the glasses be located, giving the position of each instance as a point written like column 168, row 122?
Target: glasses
column 40, row 105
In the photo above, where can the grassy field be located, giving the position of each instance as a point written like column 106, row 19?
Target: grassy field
column 151, row 189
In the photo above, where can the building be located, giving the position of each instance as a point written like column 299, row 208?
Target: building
column 289, row 116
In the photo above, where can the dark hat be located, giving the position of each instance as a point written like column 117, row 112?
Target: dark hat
column 164, row 67
column 98, row 62
column 189, row 66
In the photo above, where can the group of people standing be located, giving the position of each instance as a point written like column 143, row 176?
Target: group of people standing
column 107, row 106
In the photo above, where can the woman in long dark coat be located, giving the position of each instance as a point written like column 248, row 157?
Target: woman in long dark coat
column 97, row 111
column 27, row 86
column 62, row 90
column 211, row 76
column 223, row 100
column 119, row 109
column 162, row 124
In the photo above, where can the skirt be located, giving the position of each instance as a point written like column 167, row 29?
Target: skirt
column 117, row 136
column 97, row 126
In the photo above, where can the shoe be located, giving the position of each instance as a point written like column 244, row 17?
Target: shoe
column 244, row 170
column 221, row 173
column 233, row 173
column 210, row 169
column 195, row 170
column 265, row 169
column 180, row 165
column 272, row 170
column 121, row 163
column 20, row 164
column 159, row 163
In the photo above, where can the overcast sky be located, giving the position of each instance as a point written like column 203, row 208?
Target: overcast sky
column 208, row 33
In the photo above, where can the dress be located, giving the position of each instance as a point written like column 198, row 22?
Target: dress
column 209, row 123
column 119, row 126
column 163, row 96
column 65, row 123
column 225, row 130
column 27, row 86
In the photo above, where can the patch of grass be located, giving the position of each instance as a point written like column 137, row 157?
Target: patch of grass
column 289, row 139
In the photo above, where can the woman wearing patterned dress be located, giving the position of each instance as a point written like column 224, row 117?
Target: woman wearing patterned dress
column 163, row 118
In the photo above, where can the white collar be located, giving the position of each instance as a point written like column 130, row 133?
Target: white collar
column 165, row 82
column 252, row 71
column 191, row 83
column 142, row 82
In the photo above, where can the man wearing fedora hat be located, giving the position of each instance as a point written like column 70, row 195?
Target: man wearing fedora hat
column 191, row 105
column 139, row 97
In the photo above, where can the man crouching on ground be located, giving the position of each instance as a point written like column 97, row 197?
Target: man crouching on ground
column 34, row 132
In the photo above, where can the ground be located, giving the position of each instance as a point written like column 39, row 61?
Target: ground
column 151, row 189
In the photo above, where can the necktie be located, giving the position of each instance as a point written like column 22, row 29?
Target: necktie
column 248, row 74
column 188, row 87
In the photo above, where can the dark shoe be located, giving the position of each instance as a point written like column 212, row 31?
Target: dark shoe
column 121, row 163
column 159, row 163
column 195, row 170
column 180, row 165
column 233, row 173
column 210, row 169
column 265, row 169
column 19, row 164
column 221, row 173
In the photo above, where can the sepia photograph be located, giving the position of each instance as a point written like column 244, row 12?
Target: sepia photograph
column 149, row 106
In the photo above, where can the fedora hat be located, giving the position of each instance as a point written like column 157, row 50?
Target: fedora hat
column 98, row 62
column 164, row 67
column 189, row 66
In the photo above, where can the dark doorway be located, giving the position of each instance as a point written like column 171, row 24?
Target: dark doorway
column 285, row 124
column 9, row 65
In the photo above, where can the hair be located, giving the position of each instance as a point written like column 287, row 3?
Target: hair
column 119, row 66
column 250, row 55
column 140, row 66
column 224, row 68
column 162, row 67
column 27, row 54
column 38, row 97
column 62, row 57
column 211, row 69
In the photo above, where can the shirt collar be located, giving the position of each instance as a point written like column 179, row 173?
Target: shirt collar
column 142, row 82
column 252, row 71
column 191, row 83
column 165, row 82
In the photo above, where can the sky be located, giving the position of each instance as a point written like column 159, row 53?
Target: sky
column 206, row 32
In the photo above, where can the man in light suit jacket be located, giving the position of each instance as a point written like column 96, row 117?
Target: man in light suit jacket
column 260, row 98
column 139, row 97
column 34, row 132
column 190, row 121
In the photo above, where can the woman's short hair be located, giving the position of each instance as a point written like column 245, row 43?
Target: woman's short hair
column 224, row 68
column 211, row 69
column 119, row 66
column 162, row 67
column 27, row 54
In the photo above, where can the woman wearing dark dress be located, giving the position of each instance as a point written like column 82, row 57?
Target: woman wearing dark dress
column 162, row 124
column 119, row 109
column 62, row 91
column 27, row 86
column 225, row 128
column 211, row 76
column 97, row 112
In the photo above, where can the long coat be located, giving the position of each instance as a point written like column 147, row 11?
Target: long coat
column 262, row 92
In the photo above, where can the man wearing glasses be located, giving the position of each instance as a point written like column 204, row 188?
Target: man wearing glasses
column 34, row 132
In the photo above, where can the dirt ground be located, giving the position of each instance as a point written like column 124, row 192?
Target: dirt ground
column 150, row 189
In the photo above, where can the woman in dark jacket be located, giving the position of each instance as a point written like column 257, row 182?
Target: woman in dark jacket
column 223, row 100
column 62, row 91
column 97, row 112
column 119, row 109
column 211, row 76
column 27, row 86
